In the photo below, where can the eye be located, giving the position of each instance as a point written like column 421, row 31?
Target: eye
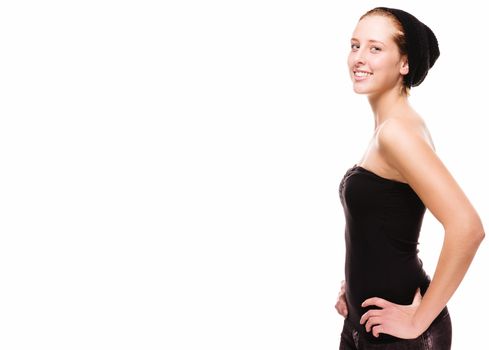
column 377, row 48
column 353, row 45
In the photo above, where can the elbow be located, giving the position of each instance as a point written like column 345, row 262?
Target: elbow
column 478, row 231
column 481, row 235
column 470, row 233
column 476, row 235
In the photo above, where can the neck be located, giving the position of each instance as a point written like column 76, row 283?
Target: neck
column 387, row 105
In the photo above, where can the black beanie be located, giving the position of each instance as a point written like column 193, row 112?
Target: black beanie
column 422, row 46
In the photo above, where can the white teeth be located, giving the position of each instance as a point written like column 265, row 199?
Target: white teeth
column 362, row 74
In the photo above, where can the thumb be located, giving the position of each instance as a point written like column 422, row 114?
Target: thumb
column 417, row 297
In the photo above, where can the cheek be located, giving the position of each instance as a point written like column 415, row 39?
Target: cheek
column 383, row 63
column 378, row 63
column 380, row 69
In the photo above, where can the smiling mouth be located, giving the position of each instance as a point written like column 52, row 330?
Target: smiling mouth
column 361, row 74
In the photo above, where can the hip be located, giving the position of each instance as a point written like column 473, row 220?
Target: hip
column 438, row 336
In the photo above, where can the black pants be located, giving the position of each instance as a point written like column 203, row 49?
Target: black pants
column 437, row 337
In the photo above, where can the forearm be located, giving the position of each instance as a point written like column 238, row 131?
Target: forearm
column 455, row 258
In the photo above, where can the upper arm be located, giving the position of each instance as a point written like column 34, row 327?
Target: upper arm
column 406, row 150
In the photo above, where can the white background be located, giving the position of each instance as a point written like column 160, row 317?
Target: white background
column 169, row 171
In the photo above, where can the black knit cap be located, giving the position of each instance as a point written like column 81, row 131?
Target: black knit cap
column 422, row 46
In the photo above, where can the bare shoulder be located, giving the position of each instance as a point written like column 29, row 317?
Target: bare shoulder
column 396, row 132
column 403, row 144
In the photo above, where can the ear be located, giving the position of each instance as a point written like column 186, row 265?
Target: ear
column 404, row 66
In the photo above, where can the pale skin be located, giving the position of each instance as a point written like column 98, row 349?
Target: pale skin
column 401, row 149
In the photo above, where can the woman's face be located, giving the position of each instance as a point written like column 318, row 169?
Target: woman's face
column 374, row 62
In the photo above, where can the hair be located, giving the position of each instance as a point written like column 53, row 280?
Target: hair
column 399, row 38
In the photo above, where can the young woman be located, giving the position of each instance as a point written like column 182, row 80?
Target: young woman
column 387, row 299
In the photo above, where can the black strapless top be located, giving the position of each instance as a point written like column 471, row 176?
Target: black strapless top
column 383, row 220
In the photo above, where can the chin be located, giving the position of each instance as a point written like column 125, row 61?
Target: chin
column 361, row 91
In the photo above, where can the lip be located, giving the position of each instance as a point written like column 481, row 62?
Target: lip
column 361, row 78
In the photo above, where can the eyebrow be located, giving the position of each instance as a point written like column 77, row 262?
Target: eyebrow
column 370, row 41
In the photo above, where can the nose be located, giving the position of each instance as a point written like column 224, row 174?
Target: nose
column 359, row 58
column 359, row 55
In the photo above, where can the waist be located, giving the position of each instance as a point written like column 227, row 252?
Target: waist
column 389, row 289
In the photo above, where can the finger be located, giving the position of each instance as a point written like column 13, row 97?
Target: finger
column 372, row 321
column 376, row 301
column 341, row 299
column 342, row 308
column 342, row 311
column 369, row 314
column 338, row 307
column 341, row 292
column 376, row 330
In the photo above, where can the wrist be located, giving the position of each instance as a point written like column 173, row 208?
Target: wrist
column 418, row 325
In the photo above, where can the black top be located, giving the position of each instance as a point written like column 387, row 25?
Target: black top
column 383, row 220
